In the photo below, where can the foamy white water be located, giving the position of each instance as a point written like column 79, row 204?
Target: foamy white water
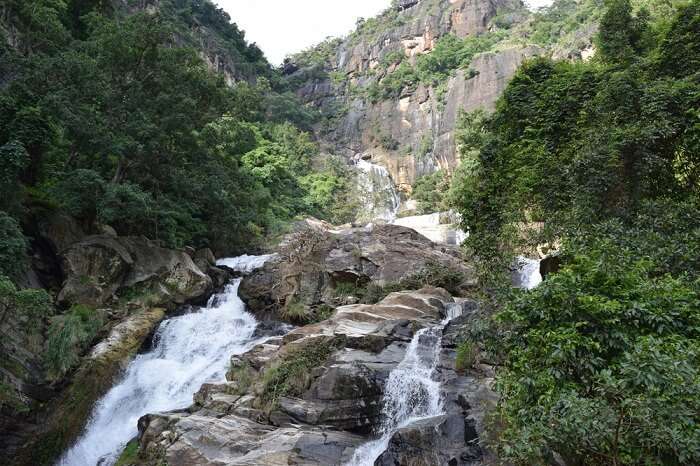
column 411, row 392
column 189, row 350
column 429, row 226
column 528, row 274
column 245, row 263
column 382, row 201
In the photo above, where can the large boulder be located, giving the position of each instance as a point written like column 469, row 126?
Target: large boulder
column 354, row 257
column 98, row 268
column 440, row 440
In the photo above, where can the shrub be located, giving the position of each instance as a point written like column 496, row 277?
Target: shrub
column 437, row 275
column 69, row 336
column 292, row 375
column 295, row 312
column 13, row 160
column 467, row 355
column 78, row 192
column 598, row 358
column 13, row 247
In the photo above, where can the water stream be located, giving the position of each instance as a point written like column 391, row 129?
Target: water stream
column 527, row 275
column 188, row 351
column 381, row 200
column 412, row 391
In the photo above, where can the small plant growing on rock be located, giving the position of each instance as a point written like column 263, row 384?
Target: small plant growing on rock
column 291, row 376
column 467, row 356
column 69, row 336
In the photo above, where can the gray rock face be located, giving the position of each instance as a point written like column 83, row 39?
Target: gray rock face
column 98, row 267
column 448, row 439
column 381, row 255
column 421, row 119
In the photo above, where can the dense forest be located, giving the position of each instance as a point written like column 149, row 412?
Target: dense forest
column 599, row 160
column 115, row 119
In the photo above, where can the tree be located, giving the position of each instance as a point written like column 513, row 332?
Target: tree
column 13, row 247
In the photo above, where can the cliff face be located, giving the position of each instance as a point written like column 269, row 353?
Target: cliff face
column 412, row 133
column 209, row 30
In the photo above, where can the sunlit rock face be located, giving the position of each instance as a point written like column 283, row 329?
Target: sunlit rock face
column 421, row 121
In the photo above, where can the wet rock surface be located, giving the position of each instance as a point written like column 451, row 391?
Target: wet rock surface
column 335, row 408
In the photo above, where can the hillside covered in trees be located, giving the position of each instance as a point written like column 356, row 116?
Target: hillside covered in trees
column 142, row 140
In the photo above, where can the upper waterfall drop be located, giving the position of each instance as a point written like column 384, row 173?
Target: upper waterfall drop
column 381, row 199
column 527, row 275
column 189, row 350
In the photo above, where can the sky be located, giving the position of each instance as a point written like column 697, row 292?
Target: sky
column 283, row 27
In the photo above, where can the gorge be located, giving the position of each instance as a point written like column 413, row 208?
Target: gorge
column 465, row 234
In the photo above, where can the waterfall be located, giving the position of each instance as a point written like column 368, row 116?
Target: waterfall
column 245, row 263
column 381, row 200
column 411, row 392
column 189, row 350
column 432, row 227
column 527, row 274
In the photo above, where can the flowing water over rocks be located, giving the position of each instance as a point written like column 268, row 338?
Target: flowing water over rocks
column 527, row 275
column 189, row 350
column 412, row 391
column 381, row 200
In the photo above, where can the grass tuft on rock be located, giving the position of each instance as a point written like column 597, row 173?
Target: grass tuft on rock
column 292, row 375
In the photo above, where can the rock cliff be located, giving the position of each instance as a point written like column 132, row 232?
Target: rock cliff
column 412, row 133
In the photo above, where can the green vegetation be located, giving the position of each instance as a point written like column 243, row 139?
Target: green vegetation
column 602, row 363
column 129, row 456
column 430, row 191
column 109, row 121
column 29, row 307
column 13, row 247
column 292, row 374
column 467, row 355
column 69, row 336
column 599, row 364
column 450, row 54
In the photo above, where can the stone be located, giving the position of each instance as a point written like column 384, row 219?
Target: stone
column 99, row 267
column 379, row 255
column 441, row 440
column 327, row 421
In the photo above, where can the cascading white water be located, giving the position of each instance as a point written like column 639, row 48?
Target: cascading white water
column 528, row 273
column 432, row 227
column 189, row 350
column 245, row 263
column 381, row 200
column 411, row 392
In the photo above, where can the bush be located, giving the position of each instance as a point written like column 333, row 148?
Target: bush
column 28, row 307
column 129, row 209
column 13, row 160
column 69, row 336
column 602, row 364
column 13, row 247
column 78, row 193
column 292, row 375
column 466, row 357
column 437, row 275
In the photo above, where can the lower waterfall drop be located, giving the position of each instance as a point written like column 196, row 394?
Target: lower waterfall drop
column 411, row 392
column 188, row 351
